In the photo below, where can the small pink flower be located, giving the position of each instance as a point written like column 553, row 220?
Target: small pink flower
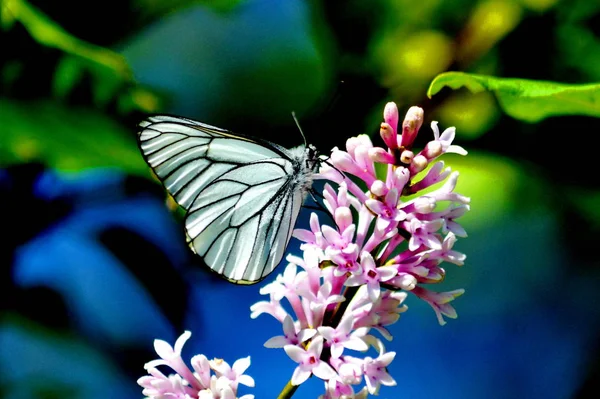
column 343, row 337
column 381, row 313
column 235, row 374
column 375, row 370
column 338, row 199
column 447, row 253
column 272, row 307
column 291, row 336
column 284, row 284
column 446, row 192
column 432, row 150
column 199, row 384
column 345, row 259
column 446, row 140
column 389, row 214
column 314, row 236
column 371, row 276
column 424, row 233
column 219, row 389
column 309, row 362
column 433, row 176
column 343, row 218
column 439, row 301
column 379, row 188
column 454, row 212
column 336, row 389
column 316, row 304
column 201, row 367
column 336, row 240
column 346, row 163
column 171, row 356
column 156, row 385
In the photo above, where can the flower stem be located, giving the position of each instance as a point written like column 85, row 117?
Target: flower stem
column 287, row 391
column 335, row 318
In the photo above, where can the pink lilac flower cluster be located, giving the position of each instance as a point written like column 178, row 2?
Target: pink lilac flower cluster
column 188, row 384
column 388, row 238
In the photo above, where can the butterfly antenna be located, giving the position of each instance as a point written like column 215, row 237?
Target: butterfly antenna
column 299, row 128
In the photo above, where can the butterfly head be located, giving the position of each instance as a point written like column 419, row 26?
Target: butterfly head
column 312, row 158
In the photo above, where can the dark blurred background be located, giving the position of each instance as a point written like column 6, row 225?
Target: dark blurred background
column 94, row 265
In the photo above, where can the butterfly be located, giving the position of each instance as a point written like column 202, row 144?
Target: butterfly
column 242, row 195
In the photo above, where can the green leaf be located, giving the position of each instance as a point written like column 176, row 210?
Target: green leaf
column 48, row 33
column 7, row 18
column 109, row 70
column 105, row 85
column 527, row 100
column 69, row 72
column 66, row 138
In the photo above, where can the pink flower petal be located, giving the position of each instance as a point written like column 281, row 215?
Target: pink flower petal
column 304, row 235
column 295, row 353
column 324, row 371
column 356, row 344
column 276, row 342
column 300, row 375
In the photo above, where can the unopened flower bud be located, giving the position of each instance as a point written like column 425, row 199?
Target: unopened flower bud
column 362, row 140
column 424, row 204
column 435, row 275
column 343, row 217
column 404, row 281
column 418, row 164
column 378, row 154
column 379, row 189
column 351, row 145
column 390, row 115
column 406, row 157
column 342, row 160
column 432, row 150
column 389, row 136
column 411, row 125
column 400, row 178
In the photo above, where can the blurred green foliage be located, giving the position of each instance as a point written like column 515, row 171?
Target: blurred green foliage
column 108, row 70
column 528, row 100
column 66, row 138
column 48, row 33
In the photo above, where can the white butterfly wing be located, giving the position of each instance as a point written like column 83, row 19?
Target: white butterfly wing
column 242, row 195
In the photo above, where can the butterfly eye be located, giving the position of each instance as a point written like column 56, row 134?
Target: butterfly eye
column 312, row 158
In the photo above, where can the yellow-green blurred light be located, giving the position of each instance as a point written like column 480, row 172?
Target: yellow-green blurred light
column 471, row 114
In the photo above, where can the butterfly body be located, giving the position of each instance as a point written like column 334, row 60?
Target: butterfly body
column 242, row 195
